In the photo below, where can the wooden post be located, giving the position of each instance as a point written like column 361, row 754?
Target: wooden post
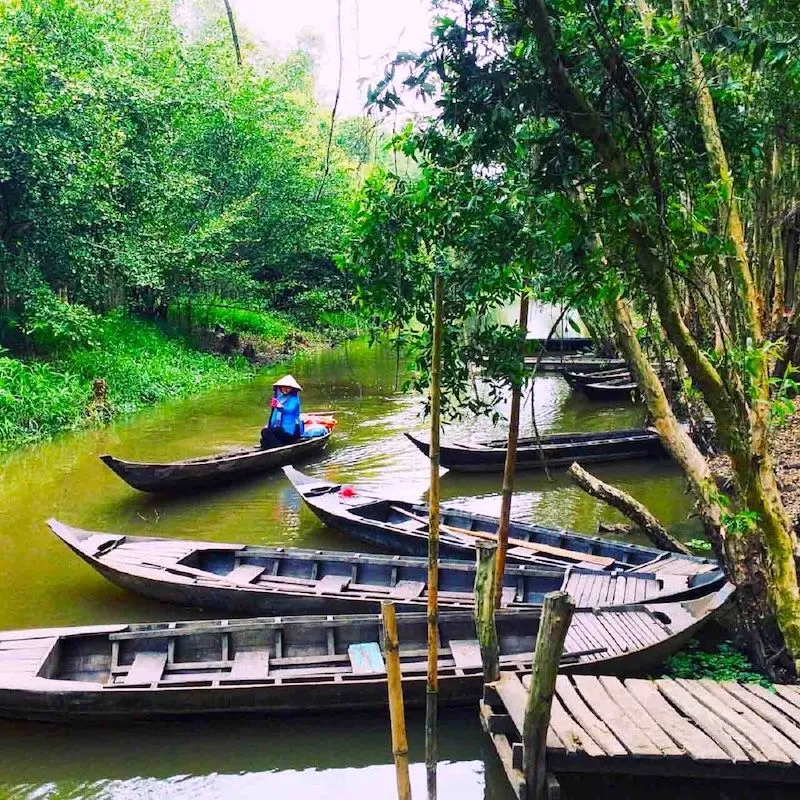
column 432, row 687
column 396, row 709
column 556, row 616
column 511, row 463
column 486, row 557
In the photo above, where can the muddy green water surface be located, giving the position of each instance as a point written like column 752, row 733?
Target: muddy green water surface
column 330, row 757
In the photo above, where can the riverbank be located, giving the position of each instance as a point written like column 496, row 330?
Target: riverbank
column 131, row 364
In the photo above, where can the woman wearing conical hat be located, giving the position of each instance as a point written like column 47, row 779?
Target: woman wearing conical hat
column 284, row 425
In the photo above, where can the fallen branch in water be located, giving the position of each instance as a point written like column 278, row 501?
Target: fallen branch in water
column 630, row 507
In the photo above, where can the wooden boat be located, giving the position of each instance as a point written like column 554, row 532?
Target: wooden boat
column 575, row 363
column 402, row 527
column 559, row 449
column 579, row 379
column 610, row 390
column 247, row 579
column 197, row 473
column 275, row 665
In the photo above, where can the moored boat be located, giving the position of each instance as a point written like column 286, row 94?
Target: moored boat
column 206, row 471
column 575, row 363
column 106, row 673
column 402, row 527
column 578, row 379
column 552, row 450
column 247, row 579
column 613, row 390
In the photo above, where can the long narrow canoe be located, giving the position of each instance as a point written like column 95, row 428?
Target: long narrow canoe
column 247, row 579
column 579, row 379
column 554, row 450
column 402, row 527
column 576, row 363
column 623, row 389
column 279, row 665
column 199, row 473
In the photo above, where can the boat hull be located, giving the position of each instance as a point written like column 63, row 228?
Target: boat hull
column 89, row 675
column 202, row 473
column 552, row 452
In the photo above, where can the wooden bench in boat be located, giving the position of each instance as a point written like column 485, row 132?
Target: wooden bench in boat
column 250, row 665
column 147, row 669
column 366, row 659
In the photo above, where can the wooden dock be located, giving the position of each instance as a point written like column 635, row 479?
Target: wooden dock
column 665, row 727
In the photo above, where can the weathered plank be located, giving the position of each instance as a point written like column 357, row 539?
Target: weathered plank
column 774, row 699
column 332, row 584
column 366, row 659
column 587, row 719
column 708, row 721
column 407, row 590
column 693, row 740
column 250, row 665
column 766, row 712
column 245, row 573
column 623, row 727
column 147, row 668
column 641, row 718
column 466, row 653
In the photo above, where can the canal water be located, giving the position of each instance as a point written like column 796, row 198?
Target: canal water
column 335, row 756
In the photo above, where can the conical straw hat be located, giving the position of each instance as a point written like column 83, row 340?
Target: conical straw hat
column 288, row 380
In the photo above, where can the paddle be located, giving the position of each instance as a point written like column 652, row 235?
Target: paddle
column 586, row 558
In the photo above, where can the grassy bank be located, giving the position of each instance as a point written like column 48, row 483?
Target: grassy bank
column 140, row 364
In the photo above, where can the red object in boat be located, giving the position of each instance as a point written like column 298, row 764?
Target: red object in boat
column 347, row 491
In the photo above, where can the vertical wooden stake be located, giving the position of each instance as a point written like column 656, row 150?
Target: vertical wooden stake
column 485, row 627
column 432, row 688
column 511, row 463
column 556, row 616
column 396, row 709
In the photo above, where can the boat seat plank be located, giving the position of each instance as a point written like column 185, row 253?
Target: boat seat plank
column 366, row 659
column 332, row 584
column 147, row 668
column 245, row 573
column 586, row 718
column 407, row 590
column 721, row 733
column 508, row 596
column 250, row 665
column 639, row 715
column 692, row 739
column 91, row 544
column 466, row 653
column 594, row 566
column 623, row 727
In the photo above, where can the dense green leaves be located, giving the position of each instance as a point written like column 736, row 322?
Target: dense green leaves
column 138, row 165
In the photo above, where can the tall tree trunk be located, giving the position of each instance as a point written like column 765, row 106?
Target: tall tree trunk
column 741, row 421
column 776, row 229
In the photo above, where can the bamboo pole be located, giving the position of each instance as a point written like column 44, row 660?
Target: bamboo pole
column 556, row 616
column 511, row 462
column 396, row 710
column 486, row 557
column 432, row 687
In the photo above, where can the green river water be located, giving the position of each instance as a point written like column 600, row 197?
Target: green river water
column 331, row 757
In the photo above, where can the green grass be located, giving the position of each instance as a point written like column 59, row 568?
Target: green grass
column 269, row 324
column 140, row 364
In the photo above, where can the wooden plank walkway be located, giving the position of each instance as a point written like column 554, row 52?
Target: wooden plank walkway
column 666, row 727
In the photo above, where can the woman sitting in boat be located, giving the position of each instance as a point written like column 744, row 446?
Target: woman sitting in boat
column 285, row 425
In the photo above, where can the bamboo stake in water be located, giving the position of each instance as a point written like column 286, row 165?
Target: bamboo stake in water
column 396, row 709
column 511, row 463
column 432, row 687
column 556, row 616
column 486, row 556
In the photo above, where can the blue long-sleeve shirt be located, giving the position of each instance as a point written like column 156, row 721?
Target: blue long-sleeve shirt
column 287, row 415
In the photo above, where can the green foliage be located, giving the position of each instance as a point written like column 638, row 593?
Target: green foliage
column 140, row 364
column 725, row 663
column 699, row 545
column 783, row 392
column 212, row 312
column 140, row 165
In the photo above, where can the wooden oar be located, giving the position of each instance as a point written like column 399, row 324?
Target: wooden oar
column 586, row 558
